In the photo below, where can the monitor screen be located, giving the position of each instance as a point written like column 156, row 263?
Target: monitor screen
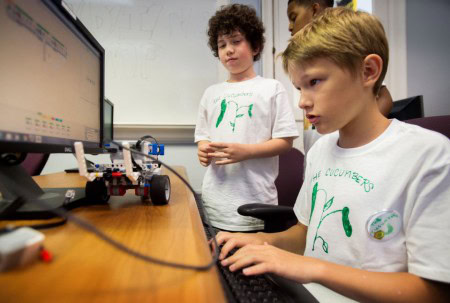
column 52, row 79
column 51, row 95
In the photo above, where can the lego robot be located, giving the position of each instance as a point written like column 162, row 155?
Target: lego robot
column 127, row 172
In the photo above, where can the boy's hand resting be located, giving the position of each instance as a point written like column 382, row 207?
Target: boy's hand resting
column 203, row 150
column 228, row 153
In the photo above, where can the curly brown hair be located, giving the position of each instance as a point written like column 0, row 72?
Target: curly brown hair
column 237, row 17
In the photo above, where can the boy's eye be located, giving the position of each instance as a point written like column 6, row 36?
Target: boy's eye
column 314, row 82
column 292, row 18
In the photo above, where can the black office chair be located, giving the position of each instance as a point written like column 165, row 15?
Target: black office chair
column 440, row 124
column 290, row 179
column 406, row 109
column 34, row 163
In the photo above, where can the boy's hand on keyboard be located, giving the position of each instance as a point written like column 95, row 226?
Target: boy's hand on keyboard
column 259, row 259
column 236, row 240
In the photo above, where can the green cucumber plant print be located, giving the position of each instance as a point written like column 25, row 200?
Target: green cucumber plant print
column 224, row 105
column 344, row 212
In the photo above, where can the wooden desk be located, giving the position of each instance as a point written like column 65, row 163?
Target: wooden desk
column 86, row 269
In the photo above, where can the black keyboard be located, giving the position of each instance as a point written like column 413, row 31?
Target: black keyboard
column 240, row 288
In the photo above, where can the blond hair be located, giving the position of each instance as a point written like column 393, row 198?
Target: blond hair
column 343, row 36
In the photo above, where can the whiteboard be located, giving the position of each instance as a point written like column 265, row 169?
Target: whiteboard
column 157, row 61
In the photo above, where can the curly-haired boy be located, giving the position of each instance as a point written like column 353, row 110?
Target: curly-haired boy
column 243, row 124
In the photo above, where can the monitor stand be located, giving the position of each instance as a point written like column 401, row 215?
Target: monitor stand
column 22, row 198
column 90, row 166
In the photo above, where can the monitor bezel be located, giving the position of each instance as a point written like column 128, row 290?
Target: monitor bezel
column 90, row 147
column 112, row 121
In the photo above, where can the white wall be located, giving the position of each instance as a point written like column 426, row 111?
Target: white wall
column 428, row 45
column 392, row 15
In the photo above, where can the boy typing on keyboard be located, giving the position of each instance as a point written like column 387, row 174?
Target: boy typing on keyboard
column 373, row 209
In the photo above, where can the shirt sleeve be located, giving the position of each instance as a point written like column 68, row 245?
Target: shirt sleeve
column 427, row 231
column 284, row 125
column 302, row 206
column 202, row 126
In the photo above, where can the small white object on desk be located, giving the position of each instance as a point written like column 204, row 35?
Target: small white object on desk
column 19, row 247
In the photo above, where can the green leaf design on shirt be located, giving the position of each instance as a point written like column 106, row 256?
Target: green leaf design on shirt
column 223, row 108
column 328, row 204
column 313, row 200
column 325, row 246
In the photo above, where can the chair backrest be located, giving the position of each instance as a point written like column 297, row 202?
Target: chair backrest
column 440, row 124
column 34, row 163
column 409, row 108
column 290, row 177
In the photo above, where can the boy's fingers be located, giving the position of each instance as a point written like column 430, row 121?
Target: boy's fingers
column 257, row 269
column 218, row 155
column 229, row 245
column 238, row 261
column 218, row 145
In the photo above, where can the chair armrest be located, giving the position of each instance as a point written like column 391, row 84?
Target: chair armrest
column 267, row 212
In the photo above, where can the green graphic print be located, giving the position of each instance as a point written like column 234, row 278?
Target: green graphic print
column 345, row 212
column 224, row 105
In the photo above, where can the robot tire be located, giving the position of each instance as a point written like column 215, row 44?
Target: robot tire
column 160, row 189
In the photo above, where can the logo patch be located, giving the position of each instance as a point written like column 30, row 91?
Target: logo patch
column 384, row 225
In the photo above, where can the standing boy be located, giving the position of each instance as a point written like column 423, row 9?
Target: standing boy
column 373, row 210
column 243, row 124
column 300, row 13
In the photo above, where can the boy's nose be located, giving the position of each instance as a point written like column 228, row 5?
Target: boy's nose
column 304, row 102
column 230, row 49
column 291, row 27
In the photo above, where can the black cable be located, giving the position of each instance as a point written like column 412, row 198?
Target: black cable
column 138, row 143
column 91, row 228
column 49, row 225
column 142, row 139
column 35, row 226
column 89, row 161
column 22, row 201
column 205, row 214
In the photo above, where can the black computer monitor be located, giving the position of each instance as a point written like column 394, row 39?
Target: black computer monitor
column 51, row 94
column 409, row 108
column 108, row 122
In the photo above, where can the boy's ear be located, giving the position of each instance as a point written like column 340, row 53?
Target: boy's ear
column 255, row 52
column 316, row 9
column 371, row 67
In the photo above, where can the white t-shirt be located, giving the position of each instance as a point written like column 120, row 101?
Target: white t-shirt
column 252, row 111
column 383, row 206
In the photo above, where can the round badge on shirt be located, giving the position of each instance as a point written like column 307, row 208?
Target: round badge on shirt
column 384, row 225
